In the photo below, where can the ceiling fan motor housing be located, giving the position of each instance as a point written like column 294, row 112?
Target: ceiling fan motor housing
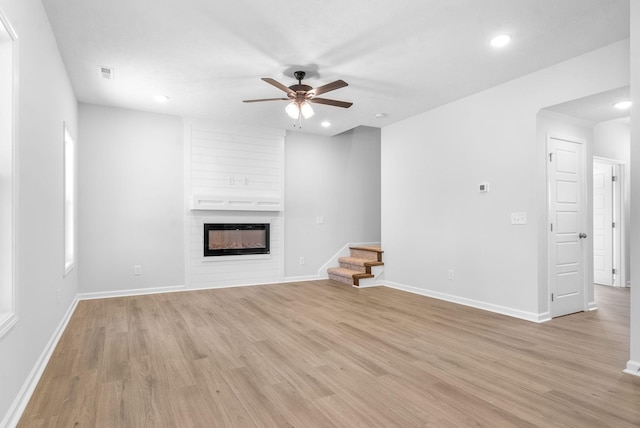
column 299, row 89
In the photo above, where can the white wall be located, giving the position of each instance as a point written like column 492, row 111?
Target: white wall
column 130, row 200
column 337, row 178
column 431, row 167
column 634, row 359
column 46, row 100
column 612, row 140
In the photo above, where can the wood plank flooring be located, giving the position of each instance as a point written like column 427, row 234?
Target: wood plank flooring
column 323, row 354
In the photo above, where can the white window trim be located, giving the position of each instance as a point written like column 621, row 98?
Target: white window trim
column 8, row 315
column 69, row 200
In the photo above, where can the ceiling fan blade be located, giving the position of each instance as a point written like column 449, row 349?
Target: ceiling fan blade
column 336, row 103
column 278, row 85
column 328, row 87
column 265, row 99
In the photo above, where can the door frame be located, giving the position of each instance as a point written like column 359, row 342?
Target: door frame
column 619, row 247
column 587, row 219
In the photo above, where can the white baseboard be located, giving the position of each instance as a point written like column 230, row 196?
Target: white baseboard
column 303, row 278
column 633, row 368
column 134, row 292
column 503, row 310
column 20, row 403
column 368, row 282
column 592, row 306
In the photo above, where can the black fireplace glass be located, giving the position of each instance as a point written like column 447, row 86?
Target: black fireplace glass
column 232, row 239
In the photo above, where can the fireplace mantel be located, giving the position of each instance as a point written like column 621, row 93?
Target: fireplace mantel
column 236, row 203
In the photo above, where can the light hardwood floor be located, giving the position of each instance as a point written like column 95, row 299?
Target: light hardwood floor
column 323, row 354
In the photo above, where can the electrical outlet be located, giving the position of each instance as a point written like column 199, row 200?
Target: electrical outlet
column 137, row 270
column 301, row 260
column 452, row 274
column 319, row 220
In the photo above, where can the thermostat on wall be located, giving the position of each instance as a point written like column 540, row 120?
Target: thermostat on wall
column 484, row 187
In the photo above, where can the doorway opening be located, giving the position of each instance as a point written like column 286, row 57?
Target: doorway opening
column 606, row 132
column 609, row 227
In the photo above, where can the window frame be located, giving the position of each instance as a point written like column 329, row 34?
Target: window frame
column 8, row 197
column 69, row 200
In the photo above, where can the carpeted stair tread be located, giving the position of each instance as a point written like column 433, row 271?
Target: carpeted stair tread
column 373, row 248
column 359, row 261
column 369, row 253
column 348, row 276
column 343, row 272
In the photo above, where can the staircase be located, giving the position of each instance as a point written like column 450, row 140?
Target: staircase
column 362, row 264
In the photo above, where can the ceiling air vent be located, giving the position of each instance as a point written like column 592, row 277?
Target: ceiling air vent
column 106, row 73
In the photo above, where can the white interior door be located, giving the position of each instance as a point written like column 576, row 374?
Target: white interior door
column 567, row 220
column 603, row 223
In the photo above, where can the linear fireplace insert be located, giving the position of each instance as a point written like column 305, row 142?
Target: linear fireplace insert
column 232, row 239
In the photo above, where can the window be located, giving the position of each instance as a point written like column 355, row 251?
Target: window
column 69, row 202
column 8, row 101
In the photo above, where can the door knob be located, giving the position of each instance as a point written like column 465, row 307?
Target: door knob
column 582, row 235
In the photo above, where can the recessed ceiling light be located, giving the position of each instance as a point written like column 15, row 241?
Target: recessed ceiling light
column 380, row 115
column 622, row 105
column 500, row 41
column 326, row 124
column 161, row 98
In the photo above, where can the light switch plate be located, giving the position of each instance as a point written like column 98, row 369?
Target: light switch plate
column 518, row 218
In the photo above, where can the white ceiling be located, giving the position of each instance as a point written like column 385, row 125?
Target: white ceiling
column 596, row 108
column 400, row 58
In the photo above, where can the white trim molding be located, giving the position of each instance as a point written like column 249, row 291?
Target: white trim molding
column 503, row 310
column 20, row 403
column 633, row 368
column 302, row 278
column 133, row 292
column 10, row 191
column 7, row 320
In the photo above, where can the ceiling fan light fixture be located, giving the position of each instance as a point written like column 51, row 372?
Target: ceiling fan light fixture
column 306, row 110
column 293, row 110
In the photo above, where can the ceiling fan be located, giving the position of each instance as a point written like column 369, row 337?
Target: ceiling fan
column 301, row 95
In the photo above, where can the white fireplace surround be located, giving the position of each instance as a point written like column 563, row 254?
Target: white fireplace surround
column 233, row 175
column 234, row 169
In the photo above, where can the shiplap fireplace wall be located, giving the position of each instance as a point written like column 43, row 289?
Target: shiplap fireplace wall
column 233, row 175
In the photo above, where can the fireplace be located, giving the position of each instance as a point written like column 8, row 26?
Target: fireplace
column 233, row 239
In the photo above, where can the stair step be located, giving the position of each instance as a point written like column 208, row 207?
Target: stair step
column 367, row 252
column 357, row 261
column 343, row 272
column 358, row 264
column 373, row 248
column 341, row 279
column 348, row 276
